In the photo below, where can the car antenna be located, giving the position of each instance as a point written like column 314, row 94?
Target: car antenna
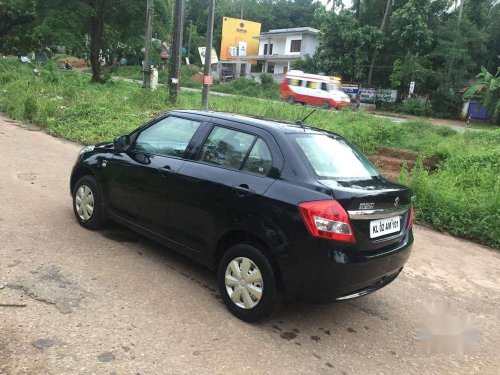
column 301, row 122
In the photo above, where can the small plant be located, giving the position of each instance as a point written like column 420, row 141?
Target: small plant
column 30, row 108
column 414, row 107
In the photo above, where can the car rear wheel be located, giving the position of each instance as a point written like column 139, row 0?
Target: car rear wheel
column 87, row 203
column 247, row 283
column 290, row 100
column 326, row 105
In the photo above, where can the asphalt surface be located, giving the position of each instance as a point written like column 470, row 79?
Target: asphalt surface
column 73, row 301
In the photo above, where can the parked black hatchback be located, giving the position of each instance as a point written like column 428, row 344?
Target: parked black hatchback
column 279, row 209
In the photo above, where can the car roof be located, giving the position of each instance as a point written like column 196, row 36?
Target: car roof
column 260, row 122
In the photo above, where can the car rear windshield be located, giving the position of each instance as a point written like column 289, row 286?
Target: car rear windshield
column 333, row 158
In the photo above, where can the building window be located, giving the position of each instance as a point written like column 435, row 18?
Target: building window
column 270, row 49
column 295, row 45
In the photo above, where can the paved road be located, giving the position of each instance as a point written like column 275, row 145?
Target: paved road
column 74, row 301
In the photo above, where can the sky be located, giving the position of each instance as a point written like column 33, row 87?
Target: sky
column 347, row 3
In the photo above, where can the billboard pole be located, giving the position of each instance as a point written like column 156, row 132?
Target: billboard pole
column 208, row 54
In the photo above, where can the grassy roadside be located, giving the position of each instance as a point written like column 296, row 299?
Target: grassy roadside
column 268, row 90
column 462, row 196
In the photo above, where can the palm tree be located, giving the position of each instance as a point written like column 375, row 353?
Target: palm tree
column 486, row 89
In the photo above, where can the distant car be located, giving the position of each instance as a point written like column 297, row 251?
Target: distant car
column 278, row 209
column 313, row 89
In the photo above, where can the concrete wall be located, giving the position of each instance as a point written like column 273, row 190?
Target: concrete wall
column 282, row 44
column 309, row 45
column 278, row 43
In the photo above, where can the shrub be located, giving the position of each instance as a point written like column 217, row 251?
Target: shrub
column 30, row 108
column 414, row 107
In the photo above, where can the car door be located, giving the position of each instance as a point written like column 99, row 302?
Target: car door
column 140, row 178
column 223, row 188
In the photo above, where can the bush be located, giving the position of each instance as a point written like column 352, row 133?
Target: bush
column 30, row 108
column 444, row 104
column 414, row 107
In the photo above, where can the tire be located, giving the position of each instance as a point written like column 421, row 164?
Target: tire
column 271, row 296
column 290, row 100
column 326, row 105
column 90, row 219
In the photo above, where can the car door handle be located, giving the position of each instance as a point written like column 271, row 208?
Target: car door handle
column 243, row 189
column 166, row 170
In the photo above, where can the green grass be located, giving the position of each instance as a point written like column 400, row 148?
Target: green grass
column 461, row 197
column 241, row 86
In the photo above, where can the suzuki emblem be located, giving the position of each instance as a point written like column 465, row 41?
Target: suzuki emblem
column 396, row 201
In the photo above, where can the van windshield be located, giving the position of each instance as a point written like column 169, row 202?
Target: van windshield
column 333, row 158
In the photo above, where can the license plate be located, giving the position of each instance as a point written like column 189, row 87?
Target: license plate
column 385, row 226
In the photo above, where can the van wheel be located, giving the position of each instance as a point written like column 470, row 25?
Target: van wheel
column 290, row 99
column 326, row 105
column 247, row 283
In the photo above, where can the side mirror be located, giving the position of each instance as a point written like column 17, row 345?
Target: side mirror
column 122, row 143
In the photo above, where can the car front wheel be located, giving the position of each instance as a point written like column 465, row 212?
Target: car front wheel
column 87, row 203
column 247, row 283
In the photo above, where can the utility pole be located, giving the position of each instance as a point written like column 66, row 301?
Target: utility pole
column 382, row 27
column 457, row 36
column 208, row 53
column 189, row 38
column 176, row 51
column 147, row 45
column 242, row 6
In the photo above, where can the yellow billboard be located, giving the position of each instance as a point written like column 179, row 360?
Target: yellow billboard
column 238, row 38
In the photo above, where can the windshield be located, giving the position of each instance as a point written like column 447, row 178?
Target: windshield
column 333, row 158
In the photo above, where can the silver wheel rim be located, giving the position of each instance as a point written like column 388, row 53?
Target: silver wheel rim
column 244, row 283
column 84, row 202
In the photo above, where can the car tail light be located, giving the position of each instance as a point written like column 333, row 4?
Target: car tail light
column 327, row 219
column 412, row 216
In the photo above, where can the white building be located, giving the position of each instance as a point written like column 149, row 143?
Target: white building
column 279, row 48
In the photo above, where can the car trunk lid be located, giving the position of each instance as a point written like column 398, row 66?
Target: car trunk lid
column 379, row 209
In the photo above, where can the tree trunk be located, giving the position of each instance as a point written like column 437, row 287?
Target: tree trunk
column 382, row 27
column 358, row 6
column 97, row 22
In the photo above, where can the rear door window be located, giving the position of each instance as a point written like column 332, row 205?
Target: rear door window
column 226, row 148
column 168, row 137
column 259, row 160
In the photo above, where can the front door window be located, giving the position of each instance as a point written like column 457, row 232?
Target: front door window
column 168, row 137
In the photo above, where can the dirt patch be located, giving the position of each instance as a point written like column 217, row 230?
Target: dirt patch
column 389, row 161
column 74, row 61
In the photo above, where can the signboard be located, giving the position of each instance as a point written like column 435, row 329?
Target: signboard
column 412, row 87
column 242, row 48
column 207, row 80
column 238, row 36
column 213, row 56
column 350, row 89
column 383, row 95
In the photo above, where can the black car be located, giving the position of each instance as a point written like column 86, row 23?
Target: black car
column 278, row 209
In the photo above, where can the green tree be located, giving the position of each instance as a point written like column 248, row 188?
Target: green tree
column 345, row 45
column 14, row 13
column 486, row 89
column 412, row 68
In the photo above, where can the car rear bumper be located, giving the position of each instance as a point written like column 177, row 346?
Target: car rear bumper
column 324, row 272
